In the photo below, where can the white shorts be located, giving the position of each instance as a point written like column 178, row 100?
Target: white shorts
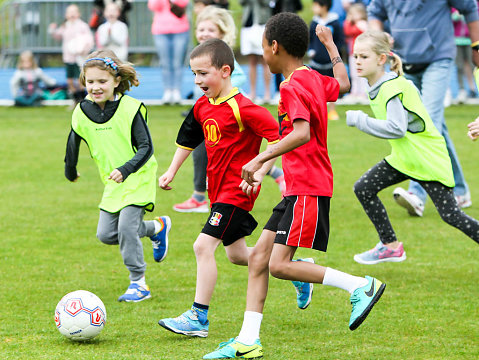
column 251, row 40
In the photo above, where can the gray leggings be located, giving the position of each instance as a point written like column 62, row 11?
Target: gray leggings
column 383, row 175
column 125, row 228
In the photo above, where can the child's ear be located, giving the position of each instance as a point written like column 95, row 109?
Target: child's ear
column 226, row 71
column 275, row 47
column 382, row 59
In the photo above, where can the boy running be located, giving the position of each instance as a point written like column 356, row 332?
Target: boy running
column 301, row 219
column 232, row 128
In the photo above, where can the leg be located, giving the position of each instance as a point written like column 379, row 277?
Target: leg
column 180, row 45
column 267, row 80
column 238, row 252
column 379, row 177
column 445, row 202
column 165, row 55
column 252, row 62
column 107, row 230
column 206, row 271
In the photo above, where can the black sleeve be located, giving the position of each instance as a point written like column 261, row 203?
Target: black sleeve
column 190, row 134
column 71, row 155
column 141, row 140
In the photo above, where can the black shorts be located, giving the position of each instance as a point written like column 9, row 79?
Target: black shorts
column 301, row 221
column 72, row 70
column 229, row 223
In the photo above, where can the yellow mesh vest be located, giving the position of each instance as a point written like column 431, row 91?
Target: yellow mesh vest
column 422, row 155
column 110, row 146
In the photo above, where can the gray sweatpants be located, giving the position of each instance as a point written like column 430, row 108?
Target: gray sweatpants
column 125, row 228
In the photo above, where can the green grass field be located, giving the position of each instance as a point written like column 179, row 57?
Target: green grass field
column 48, row 248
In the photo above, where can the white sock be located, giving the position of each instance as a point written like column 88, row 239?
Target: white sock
column 342, row 280
column 141, row 281
column 250, row 329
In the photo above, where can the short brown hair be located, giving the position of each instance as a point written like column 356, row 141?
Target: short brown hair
column 218, row 51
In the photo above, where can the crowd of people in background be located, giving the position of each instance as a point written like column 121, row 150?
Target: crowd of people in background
column 171, row 31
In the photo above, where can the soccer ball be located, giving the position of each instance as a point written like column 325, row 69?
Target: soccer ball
column 80, row 315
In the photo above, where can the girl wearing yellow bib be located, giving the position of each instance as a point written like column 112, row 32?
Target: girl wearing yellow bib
column 114, row 126
column 418, row 150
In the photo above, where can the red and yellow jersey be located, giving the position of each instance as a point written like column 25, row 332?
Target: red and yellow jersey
column 233, row 128
column 304, row 95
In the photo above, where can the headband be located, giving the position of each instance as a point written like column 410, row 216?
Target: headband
column 108, row 62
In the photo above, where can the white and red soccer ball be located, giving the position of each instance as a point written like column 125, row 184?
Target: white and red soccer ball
column 80, row 315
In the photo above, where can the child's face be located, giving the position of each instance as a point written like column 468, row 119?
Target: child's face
column 369, row 64
column 72, row 13
column 318, row 10
column 26, row 62
column 112, row 12
column 100, row 85
column 207, row 30
column 268, row 56
column 210, row 79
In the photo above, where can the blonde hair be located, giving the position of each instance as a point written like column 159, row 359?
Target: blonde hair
column 27, row 54
column 221, row 18
column 125, row 70
column 380, row 44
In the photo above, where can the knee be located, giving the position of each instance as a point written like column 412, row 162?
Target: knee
column 201, row 249
column 257, row 261
column 278, row 269
column 451, row 218
column 360, row 190
column 106, row 237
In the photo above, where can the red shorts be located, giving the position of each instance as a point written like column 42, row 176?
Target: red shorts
column 301, row 221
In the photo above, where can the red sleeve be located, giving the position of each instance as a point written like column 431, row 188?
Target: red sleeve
column 351, row 29
column 331, row 88
column 295, row 103
column 261, row 122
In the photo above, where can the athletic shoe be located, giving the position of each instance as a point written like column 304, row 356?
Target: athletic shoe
column 381, row 253
column 233, row 349
column 186, row 324
column 281, row 184
column 192, row 205
column 464, row 201
column 363, row 300
column 136, row 293
column 160, row 239
column 412, row 203
column 304, row 290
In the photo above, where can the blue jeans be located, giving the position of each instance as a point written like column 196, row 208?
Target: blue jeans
column 433, row 83
column 171, row 50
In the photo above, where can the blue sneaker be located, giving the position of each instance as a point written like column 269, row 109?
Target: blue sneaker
column 233, row 349
column 186, row 324
column 136, row 293
column 160, row 239
column 304, row 291
column 363, row 300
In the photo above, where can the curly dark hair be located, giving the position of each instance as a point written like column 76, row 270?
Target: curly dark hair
column 290, row 31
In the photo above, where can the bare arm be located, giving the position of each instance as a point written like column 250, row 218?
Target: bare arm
column 179, row 158
column 299, row 136
column 339, row 70
column 375, row 24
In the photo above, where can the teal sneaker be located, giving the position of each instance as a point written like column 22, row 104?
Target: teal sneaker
column 135, row 293
column 363, row 300
column 304, row 291
column 160, row 239
column 186, row 324
column 233, row 349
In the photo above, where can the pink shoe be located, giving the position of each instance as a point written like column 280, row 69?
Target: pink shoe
column 281, row 184
column 192, row 205
column 381, row 253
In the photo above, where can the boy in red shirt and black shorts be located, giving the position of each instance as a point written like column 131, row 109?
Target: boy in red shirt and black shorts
column 301, row 219
column 232, row 128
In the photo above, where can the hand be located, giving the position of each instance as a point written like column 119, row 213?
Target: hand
column 247, row 188
column 116, row 176
column 324, row 34
column 164, row 180
column 248, row 171
column 473, row 127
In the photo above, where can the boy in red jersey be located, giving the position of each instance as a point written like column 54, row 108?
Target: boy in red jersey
column 233, row 128
column 301, row 219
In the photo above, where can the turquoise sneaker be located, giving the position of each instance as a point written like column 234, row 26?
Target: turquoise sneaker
column 233, row 349
column 136, row 293
column 304, row 291
column 363, row 300
column 160, row 239
column 186, row 324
